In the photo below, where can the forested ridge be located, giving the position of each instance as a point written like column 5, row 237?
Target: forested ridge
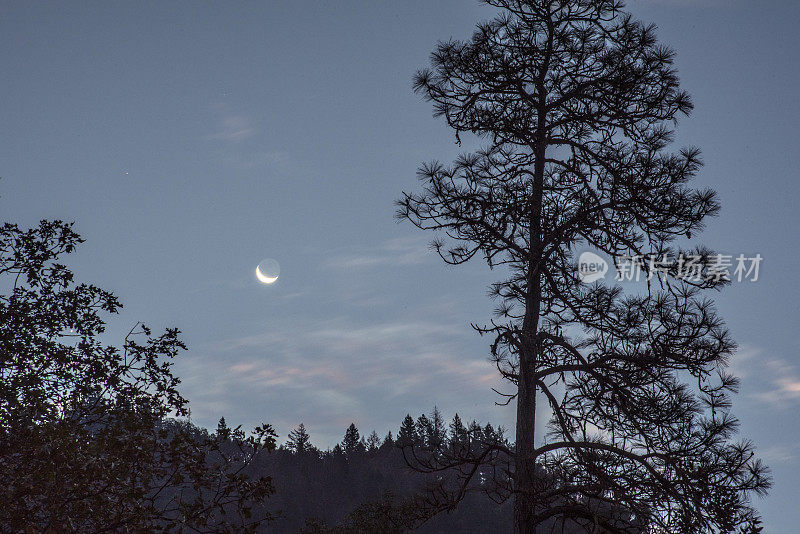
column 365, row 483
column 372, row 484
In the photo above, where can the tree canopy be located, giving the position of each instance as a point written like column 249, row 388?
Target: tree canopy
column 88, row 436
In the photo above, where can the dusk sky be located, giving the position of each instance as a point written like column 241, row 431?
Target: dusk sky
column 188, row 141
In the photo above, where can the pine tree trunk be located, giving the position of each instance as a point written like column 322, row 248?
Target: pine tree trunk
column 525, row 461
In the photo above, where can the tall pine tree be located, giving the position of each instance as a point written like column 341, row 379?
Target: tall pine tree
column 576, row 101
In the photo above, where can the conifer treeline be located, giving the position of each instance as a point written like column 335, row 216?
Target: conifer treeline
column 364, row 484
column 428, row 431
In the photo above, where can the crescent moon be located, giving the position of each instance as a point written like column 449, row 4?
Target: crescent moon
column 263, row 278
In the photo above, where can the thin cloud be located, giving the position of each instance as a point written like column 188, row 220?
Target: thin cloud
column 399, row 251
column 234, row 128
column 778, row 454
column 772, row 381
column 229, row 125
column 784, row 385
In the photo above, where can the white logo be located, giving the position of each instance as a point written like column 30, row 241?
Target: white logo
column 591, row 267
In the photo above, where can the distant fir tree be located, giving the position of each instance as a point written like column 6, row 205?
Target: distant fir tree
column 424, row 431
column 352, row 442
column 438, row 430
column 373, row 442
column 459, row 436
column 407, row 435
column 299, row 441
column 431, row 430
column 222, row 428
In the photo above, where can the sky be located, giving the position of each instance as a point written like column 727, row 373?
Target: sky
column 188, row 141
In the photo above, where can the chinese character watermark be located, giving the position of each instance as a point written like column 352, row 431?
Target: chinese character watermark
column 695, row 268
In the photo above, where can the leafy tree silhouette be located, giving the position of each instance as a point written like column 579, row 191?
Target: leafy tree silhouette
column 575, row 101
column 85, row 440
